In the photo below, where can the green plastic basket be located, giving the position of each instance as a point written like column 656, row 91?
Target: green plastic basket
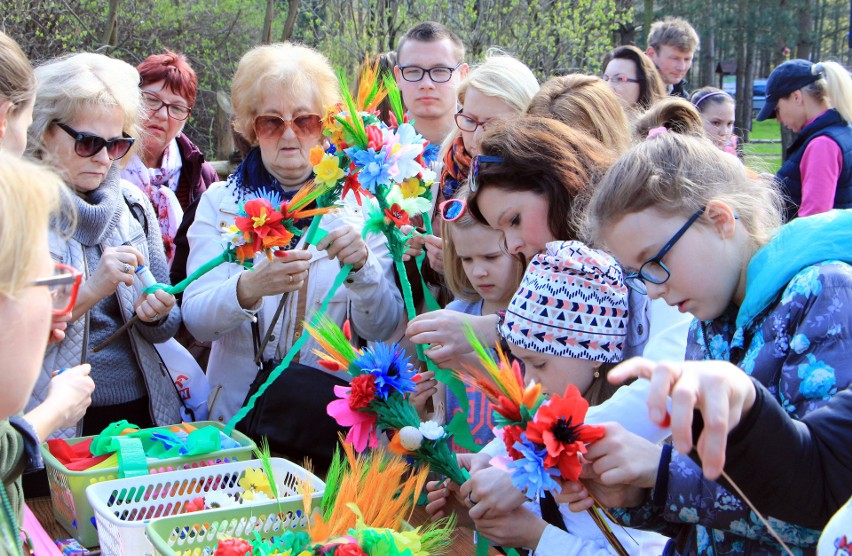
column 198, row 533
column 68, row 488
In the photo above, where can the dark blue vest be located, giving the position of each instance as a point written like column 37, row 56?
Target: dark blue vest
column 829, row 124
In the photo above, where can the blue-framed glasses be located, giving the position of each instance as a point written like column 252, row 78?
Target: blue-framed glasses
column 654, row 270
column 472, row 181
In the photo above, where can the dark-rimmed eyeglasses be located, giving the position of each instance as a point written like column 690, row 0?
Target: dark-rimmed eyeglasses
column 452, row 209
column 472, row 179
column 466, row 123
column 87, row 145
column 439, row 74
column 654, row 270
column 152, row 103
column 63, row 286
column 270, row 126
column 618, row 79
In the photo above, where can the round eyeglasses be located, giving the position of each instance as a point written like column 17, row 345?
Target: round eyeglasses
column 153, row 103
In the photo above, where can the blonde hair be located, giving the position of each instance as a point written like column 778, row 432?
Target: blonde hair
column 17, row 81
column 677, row 175
column 288, row 69
column 673, row 31
column 71, row 86
column 455, row 277
column 675, row 114
column 834, row 87
column 500, row 76
column 29, row 195
column 587, row 104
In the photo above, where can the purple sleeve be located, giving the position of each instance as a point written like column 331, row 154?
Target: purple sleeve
column 820, row 168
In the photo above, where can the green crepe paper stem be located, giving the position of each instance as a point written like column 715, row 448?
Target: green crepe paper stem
column 315, row 233
column 294, row 349
column 225, row 257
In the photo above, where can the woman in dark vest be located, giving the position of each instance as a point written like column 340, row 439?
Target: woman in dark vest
column 815, row 101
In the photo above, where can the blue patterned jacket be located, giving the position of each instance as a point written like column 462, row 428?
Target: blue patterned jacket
column 792, row 333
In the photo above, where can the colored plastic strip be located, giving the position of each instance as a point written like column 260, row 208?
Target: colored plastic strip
column 291, row 353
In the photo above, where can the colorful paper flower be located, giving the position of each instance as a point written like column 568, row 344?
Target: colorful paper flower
column 410, row 438
column 327, row 171
column 391, row 367
column 374, row 165
column 396, row 215
column 255, row 482
column 362, row 424
column 558, row 425
column 261, row 226
column 362, row 391
column 529, row 474
column 431, row 430
column 233, row 547
column 510, row 434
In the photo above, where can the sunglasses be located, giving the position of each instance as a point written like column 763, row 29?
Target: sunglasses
column 452, row 209
column 269, row 126
column 474, row 169
column 63, row 286
column 87, row 145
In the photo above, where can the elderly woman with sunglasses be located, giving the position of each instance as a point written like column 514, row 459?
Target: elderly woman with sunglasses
column 85, row 113
column 278, row 94
column 168, row 167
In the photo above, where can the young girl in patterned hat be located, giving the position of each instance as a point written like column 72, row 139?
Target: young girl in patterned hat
column 690, row 227
column 567, row 323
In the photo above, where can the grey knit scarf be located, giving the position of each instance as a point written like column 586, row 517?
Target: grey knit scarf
column 99, row 211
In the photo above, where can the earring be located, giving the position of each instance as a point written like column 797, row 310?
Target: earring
column 597, row 373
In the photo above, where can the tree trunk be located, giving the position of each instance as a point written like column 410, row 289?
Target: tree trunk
column 649, row 19
column 224, row 135
column 708, row 51
column 266, row 33
column 110, row 35
column 290, row 25
column 804, row 18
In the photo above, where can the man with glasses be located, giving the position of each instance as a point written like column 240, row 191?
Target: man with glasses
column 430, row 67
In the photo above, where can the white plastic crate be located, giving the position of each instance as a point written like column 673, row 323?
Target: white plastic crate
column 123, row 507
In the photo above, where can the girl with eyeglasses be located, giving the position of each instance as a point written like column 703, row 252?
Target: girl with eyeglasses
column 168, row 167
column 32, row 289
column 690, row 227
column 483, row 277
column 84, row 121
column 278, row 93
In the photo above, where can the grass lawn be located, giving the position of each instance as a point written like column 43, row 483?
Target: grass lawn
column 764, row 157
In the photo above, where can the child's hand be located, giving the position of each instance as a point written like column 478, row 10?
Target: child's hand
column 621, row 457
column 444, row 499
column 444, row 330
column 490, row 492
column 426, row 387
column 435, row 253
column 721, row 391
column 519, row 527
column 415, row 244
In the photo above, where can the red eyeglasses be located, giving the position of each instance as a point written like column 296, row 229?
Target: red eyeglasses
column 63, row 286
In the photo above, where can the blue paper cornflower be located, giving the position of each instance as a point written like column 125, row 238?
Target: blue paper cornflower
column 430, row 154
column 390, row 365
column 529, row 474
column 375, row 169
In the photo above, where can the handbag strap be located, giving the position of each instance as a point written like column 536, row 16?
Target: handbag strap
column 301, row 304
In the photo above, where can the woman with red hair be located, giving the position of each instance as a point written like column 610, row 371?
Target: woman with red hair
column 169, row 168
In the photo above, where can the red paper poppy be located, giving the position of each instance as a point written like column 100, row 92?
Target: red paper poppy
column 558, row 425
column 262, row 224
column 396, row 215
column 363, row 391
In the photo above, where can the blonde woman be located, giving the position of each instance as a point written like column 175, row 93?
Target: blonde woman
column 84, row 121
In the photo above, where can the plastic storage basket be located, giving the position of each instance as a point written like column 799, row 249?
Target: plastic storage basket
column 124, row 506
column 68, row 488
column 198, row 533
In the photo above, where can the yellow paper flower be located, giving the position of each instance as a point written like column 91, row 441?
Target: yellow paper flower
column 412, row 187
column 255, row 481
column 328, row 171
column 408, row 540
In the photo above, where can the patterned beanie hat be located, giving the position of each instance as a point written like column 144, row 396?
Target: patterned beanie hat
column 572, row 302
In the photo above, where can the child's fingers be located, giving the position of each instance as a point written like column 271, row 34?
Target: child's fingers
column 635, row 367
column 663, row 378
column 684, row 399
